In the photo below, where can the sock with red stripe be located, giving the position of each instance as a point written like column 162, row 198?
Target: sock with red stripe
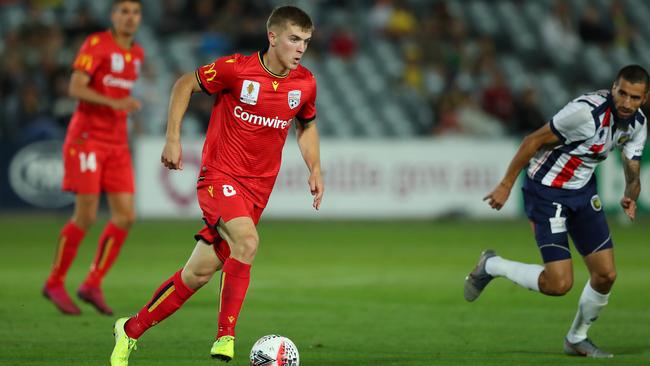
column 110, row 243
column 69, row 240
column 234, row 284
column 169, row 297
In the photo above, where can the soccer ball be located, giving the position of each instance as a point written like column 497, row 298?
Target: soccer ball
column 274, row 350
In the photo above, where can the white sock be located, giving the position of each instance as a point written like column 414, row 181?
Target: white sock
column 590, row 305
column 525, row 275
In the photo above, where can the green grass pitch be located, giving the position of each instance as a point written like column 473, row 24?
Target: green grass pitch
column 347, row 293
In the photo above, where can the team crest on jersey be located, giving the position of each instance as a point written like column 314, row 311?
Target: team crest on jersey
column 117, row 62
column 294, row 98
column 595, row 203
column 623, row 139
column 250, row 90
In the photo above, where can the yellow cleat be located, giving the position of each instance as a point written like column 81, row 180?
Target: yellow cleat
column 123, row 344
column 223, row 348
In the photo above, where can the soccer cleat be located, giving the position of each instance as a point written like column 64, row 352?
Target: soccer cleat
column 123, row 344
column 476, row 281
column 223, row 348
column 585, row 348
column 95, row 297
column 59, row 297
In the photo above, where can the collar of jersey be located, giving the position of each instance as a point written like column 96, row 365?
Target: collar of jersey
column 260, row 55
column 112, row 35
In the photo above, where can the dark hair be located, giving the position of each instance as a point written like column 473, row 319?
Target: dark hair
column 634, row 74
column 289, row 14
column 117, row 2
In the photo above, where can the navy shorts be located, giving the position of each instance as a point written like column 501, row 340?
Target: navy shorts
column 557, row 213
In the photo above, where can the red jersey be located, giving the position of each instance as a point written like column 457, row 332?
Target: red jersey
column 113, row 72
column 251, row 116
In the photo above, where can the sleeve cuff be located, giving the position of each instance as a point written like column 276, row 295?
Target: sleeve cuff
column 556, row 132
column 305, row 121
column 636, row 157
column 196, row 74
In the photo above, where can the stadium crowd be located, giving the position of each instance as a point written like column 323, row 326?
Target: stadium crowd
column 448, row 62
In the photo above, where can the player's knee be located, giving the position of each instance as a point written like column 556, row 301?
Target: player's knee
column 559, row 286
column 605, row 279
column 124, row 220
column 195, row 278
column 85, row 219
column 246, row 246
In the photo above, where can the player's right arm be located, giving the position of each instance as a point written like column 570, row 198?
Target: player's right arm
column 178, row 102
column 572, row 123
column 86, row 64
column 211, row 78
column 543, row 137
column 79, row 89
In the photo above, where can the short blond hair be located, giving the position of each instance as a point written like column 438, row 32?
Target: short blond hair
column 282, row 15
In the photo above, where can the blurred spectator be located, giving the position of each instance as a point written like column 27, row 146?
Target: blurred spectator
column 402, row 22
column 459, row 113
column 413, row 74
column 623, row 28
column 559, row 35
column 202, row 13
column 153, row 91
column 343, row 43
column 497, row 98
column 63, row 106
column 434, row 80
column 594, row 28
column 173, row 18
column 83, row 23
column 432, row 48
column 527, row 116
column 380, row 14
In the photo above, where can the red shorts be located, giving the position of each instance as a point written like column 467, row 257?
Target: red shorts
column 222, row 198
column 91, row 168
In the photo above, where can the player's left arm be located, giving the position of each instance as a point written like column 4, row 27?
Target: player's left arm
column 309, row 144
column 632, row 170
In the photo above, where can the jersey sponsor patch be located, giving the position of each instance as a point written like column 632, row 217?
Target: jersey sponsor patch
column 595, row 203
column 294, row 98
column 84, row 61
column 117, row 62
column 623, row 138
column 250, row 90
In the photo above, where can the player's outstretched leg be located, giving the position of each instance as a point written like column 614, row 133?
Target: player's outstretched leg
column 594, row 298
column 168, row 298
column 123, row 344
column 478, row 279
column 110, row 243
column 585, row 348
column 54, row 289
column 234, row 284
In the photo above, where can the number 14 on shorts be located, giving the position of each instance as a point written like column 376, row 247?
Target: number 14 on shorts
column 87, row 162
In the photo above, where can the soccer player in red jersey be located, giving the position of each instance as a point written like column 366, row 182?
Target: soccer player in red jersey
column 96, row 153
column 257, row 99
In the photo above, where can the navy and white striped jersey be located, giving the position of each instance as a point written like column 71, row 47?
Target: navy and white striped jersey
column 588, row 129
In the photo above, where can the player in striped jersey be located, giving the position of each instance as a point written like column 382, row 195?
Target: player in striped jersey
column 561, row 199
